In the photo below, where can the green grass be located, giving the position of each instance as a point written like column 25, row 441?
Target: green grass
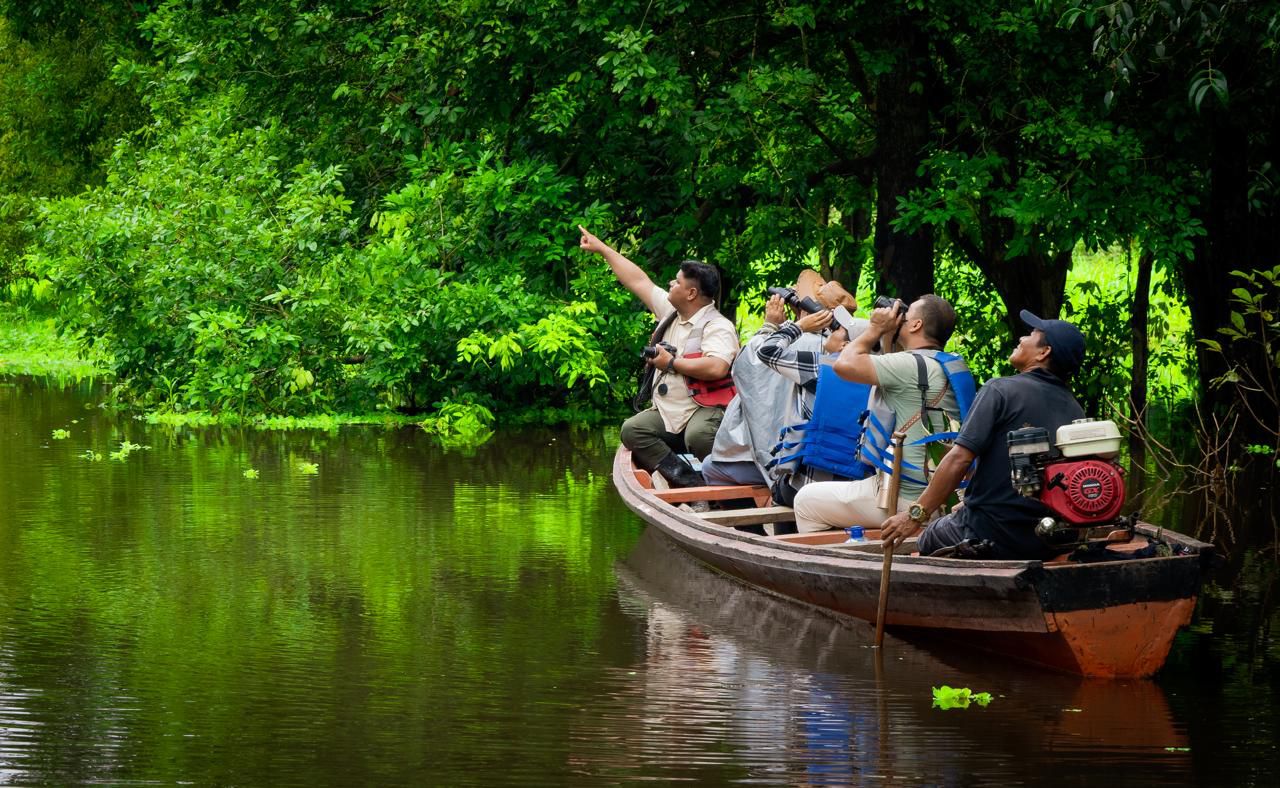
column 323, row 421
column 32, row 346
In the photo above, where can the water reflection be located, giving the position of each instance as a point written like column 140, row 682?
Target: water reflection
column 412, row 616
column 738, row 685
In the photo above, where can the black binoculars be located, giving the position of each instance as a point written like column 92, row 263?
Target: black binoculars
column 794, row 301
column 885, row 302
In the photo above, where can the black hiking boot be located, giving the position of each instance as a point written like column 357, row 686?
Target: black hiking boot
column 678, row 473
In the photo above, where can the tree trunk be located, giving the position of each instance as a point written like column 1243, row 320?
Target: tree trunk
column 847, row 266
column 904, row 260
column 1032, row 282
column 1138, row 385
column 1236, row 238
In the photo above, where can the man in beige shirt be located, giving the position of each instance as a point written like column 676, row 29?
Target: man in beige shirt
column 677, row 422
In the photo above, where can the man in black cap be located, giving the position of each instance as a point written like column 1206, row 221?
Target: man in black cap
column 1038, row 396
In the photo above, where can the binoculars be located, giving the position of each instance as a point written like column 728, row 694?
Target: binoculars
column 885, row 302
column 794, row 301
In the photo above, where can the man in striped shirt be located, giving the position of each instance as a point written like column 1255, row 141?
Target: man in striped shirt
column 801, row 367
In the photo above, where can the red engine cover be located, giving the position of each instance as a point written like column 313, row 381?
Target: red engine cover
column 1084, row 491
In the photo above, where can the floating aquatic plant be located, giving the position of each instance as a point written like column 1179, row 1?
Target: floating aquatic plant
column 251, row 473
column 61, row 435
column 127, row 448
column 945, row 697
column 92, row 456
column 308, row 468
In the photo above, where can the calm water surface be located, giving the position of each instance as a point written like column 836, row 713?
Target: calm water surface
column 410, row 616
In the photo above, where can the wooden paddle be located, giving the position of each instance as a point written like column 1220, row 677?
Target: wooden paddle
column 891, row 508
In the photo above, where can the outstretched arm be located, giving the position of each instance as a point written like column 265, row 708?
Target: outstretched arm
column 627, row 272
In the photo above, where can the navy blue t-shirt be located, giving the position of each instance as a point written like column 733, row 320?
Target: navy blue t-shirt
column 992, row 507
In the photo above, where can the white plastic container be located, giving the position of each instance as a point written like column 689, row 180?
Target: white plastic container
column 1089, row 437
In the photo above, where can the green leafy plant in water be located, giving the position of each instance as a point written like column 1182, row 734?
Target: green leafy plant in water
column 460, row 424
column 306, row 468
column 92, row 456
column 61, row 435
column 251, row 473
column 945, row 697
column 127, row 448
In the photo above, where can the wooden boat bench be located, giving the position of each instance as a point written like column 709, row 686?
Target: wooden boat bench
column 758, row 516
column 760, row 496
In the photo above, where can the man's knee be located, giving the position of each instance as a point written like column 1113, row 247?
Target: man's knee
column 636, row 431
column 943, row 532
column 700, row 435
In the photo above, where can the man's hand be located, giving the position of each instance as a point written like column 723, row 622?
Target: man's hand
column 775, row 310
column 661, row 360
column 813, row 323
column 590, row 243
column 898, row 528
column 885, row 321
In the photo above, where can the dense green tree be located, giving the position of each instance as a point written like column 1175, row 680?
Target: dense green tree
column 318, row 205
column 59, row 112
column 1198, row 80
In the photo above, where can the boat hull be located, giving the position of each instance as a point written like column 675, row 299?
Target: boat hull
column 1107, row 619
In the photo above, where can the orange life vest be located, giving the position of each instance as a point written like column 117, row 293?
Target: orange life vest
column 710, row 393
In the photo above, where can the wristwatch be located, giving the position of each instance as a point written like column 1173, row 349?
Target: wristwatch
column 671, row 365
column 918, row 514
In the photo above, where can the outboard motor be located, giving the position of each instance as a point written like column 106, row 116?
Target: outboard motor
column 1077, row 478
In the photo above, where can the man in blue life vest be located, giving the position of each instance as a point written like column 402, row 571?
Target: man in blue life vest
column 692, row 386
column 922, row 331
column 1038, row 396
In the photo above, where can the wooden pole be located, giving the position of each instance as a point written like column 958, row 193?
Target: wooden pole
column 891, row 508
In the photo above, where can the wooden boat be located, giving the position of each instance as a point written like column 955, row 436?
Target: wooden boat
column 1113, row 619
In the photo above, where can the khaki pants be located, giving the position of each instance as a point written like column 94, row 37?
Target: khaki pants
column 823, row 505
column 650, row 442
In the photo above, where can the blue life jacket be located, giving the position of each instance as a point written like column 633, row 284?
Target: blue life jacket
column 829, row 440
column 879, row 420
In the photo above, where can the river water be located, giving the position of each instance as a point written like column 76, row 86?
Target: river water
column 373, row 610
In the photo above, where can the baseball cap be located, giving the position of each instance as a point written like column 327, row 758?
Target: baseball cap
column 1065, row 339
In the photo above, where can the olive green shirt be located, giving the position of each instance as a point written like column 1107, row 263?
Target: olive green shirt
column 899, row 386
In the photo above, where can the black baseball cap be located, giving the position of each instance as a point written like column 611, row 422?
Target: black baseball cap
column 1065, row 339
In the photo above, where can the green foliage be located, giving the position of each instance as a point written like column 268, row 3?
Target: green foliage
column 31, row 345
column 206, row 267
column 460, row 424
column 1254, row 332
column 945, row 697
column 61, row 114
column 126, row 448
column 299, row 207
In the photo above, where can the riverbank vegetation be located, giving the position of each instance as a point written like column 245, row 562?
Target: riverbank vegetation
column 290, row 208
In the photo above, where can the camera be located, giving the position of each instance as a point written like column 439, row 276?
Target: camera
column 885, row 302
column 651, row 351
column 794, row 301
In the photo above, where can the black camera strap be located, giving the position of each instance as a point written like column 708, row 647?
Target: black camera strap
column 663, row 325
